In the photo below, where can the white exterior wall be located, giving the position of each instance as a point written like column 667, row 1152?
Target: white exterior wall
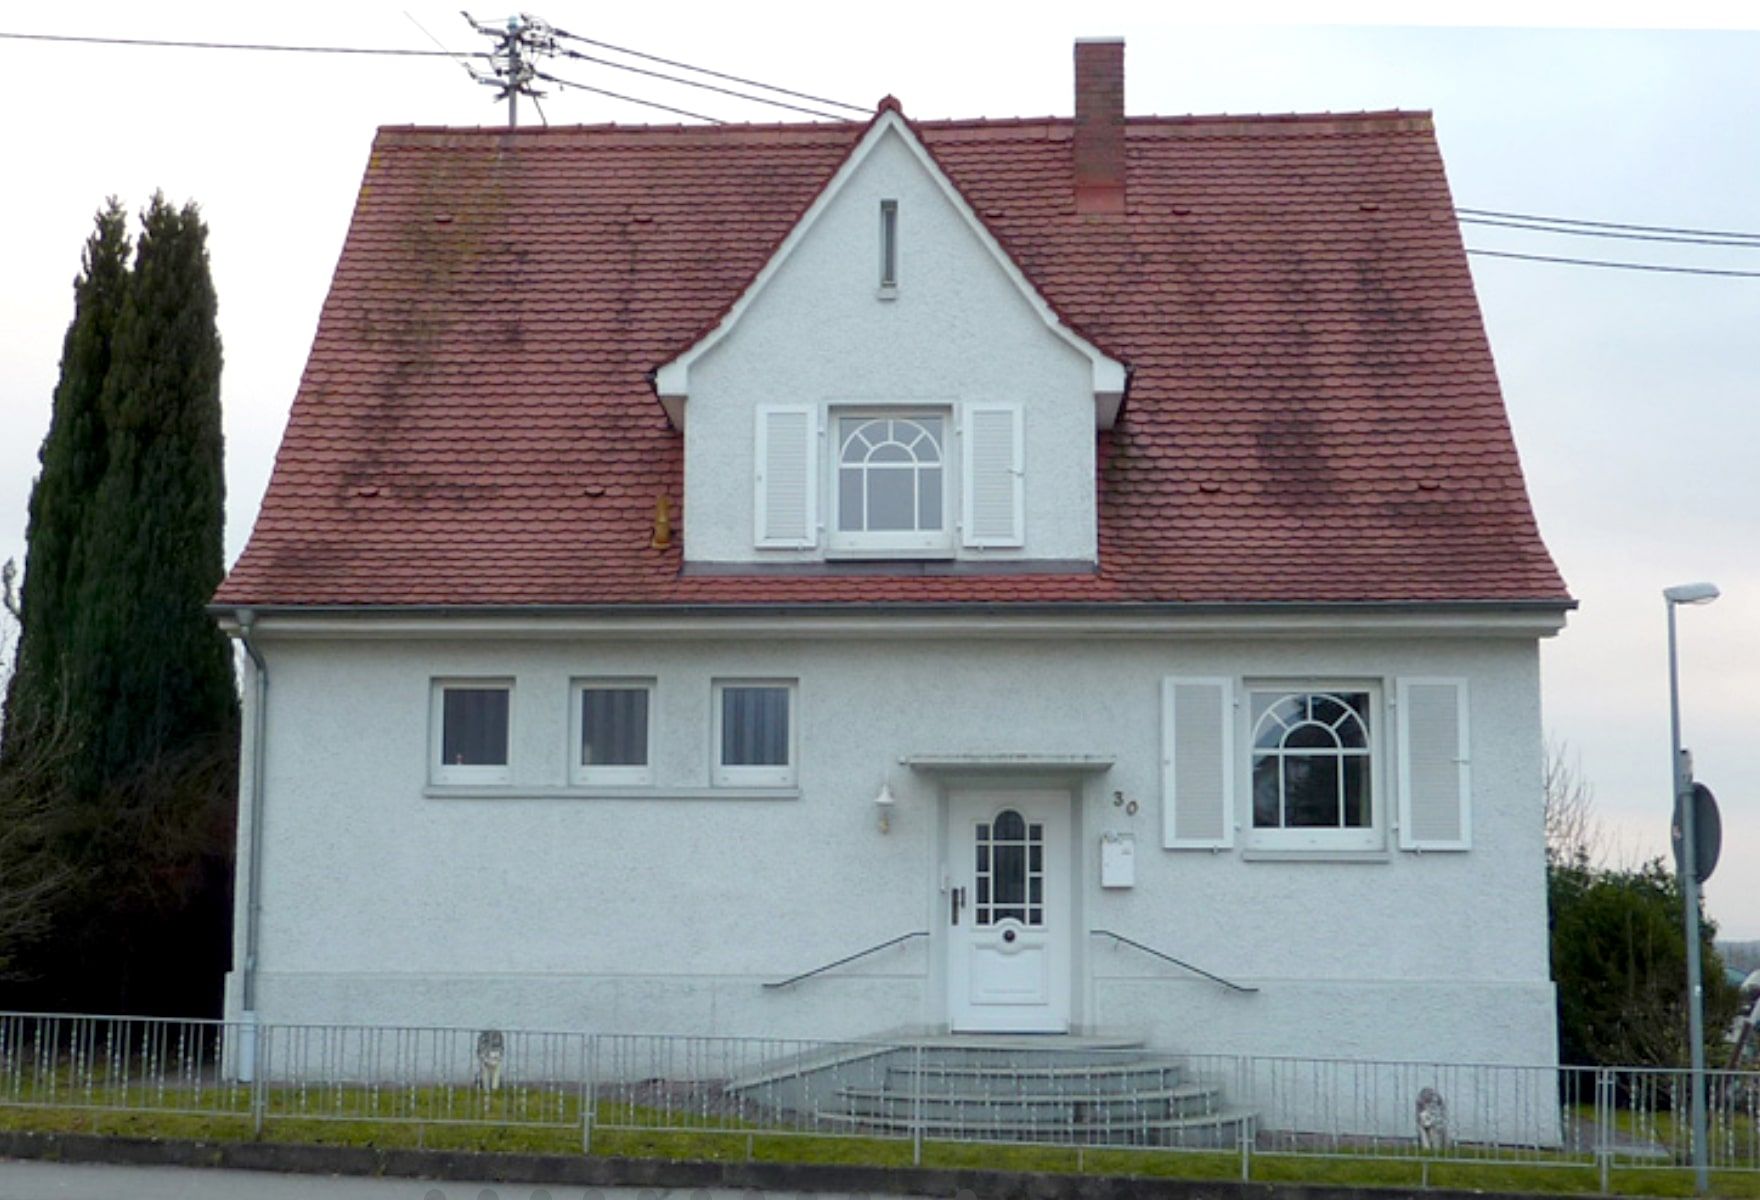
column 958, row 331
column 529, row 909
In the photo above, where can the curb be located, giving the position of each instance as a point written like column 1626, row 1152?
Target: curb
column 799, row 1179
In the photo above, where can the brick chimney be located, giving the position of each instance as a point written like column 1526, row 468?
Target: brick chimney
column 1099, row 139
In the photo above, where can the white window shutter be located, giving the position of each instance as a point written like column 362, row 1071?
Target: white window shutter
column 993, row 461
column 785, row 506
column 1197, row 763
column 1435, row 810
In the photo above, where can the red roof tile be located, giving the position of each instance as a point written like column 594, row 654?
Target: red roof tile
column 1313, row 417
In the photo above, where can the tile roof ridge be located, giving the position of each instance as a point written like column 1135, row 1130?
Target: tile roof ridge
column 1363, row 117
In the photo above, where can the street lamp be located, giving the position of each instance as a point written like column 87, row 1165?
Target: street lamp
column 1689, row 593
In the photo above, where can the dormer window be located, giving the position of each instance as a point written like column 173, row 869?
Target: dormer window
column 891, row 488
column 888, row 247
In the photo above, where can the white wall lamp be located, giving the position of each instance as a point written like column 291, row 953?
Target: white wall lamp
column 884, row 802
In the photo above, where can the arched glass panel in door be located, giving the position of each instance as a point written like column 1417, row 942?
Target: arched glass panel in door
column 1011, row 870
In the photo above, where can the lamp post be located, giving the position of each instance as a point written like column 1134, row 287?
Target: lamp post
column 1682, row 773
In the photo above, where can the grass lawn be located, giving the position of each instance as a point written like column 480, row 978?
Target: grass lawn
column 447, row 1120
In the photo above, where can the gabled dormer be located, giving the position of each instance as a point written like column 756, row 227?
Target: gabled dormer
column 890, row 385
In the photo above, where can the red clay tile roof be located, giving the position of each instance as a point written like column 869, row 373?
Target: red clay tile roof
column 1313, row 417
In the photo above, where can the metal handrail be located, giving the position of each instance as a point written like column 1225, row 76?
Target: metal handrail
column 1136, row 945
column 903, row 937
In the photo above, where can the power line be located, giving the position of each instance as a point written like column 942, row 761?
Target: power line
column 683, row 66
column 1609, row 233
column 581, row 87
column 1623, row 266
column 116, row 41
column 1513, row 216
column 707, row 87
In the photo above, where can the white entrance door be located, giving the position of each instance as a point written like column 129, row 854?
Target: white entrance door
column 1008, row 911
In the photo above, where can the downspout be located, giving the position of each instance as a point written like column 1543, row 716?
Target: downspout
column 254, row 853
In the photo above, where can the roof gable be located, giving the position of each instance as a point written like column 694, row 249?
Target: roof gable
column 1110, row 376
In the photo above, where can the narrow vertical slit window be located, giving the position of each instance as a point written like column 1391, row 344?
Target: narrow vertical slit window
column 888, row 243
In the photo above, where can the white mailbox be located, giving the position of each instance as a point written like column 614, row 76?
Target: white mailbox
column 1118, row 860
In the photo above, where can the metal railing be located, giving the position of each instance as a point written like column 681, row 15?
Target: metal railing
column 1168, row 958
column 692, row 1097
column 849, row 958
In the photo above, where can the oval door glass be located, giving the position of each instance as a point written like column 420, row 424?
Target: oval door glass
column 1010, row 871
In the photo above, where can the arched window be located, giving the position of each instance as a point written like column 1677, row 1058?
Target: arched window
column 1311, row 760
column 891, row 475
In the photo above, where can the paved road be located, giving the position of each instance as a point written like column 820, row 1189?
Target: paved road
column 53, row 1181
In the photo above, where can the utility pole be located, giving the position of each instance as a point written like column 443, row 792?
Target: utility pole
column 522, row 40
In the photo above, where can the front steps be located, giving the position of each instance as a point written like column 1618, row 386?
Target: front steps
column 1082, row 1091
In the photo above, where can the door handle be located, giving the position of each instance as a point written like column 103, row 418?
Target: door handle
column 959, row 900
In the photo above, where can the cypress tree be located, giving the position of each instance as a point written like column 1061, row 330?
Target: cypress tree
column 142, row 807
column 73, row 461
column 159, row 768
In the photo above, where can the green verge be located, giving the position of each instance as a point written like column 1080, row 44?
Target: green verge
column 730, row 1143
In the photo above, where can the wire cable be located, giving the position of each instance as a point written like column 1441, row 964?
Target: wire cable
column 117, row 41
column 459, row 58
column 581, row 87
column 684, row 66
column 1623, row 266
column 707, row 87
column 1513, row 216
column 1608, row 233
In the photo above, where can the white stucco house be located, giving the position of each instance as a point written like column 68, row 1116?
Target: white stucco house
column 988, row 554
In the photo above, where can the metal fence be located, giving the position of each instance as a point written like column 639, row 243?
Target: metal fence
column 692, row 1096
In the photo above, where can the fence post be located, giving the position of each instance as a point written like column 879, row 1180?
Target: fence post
column 259, row 1078
column 1248, row 1129
column 917, row 1105
column 1604, row 1118
column 589, row 1094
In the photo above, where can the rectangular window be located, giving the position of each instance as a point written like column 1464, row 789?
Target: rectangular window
column 1312, row 768
column 472, row 722
column 613, row 731
column 888, row 244
column 754, row 733
column 891, row 481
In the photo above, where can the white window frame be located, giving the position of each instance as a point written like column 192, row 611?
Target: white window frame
column 589, row 775
column 888, row 248
column 444, row 773
column 934, row 543
column 1372, row 837
column 738, row 775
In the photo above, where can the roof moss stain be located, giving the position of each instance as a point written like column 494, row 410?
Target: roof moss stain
column 1313, row 415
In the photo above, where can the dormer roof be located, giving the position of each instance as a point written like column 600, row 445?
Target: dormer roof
column 1110, row 376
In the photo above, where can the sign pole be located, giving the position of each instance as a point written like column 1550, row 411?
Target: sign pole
column 1685, row 804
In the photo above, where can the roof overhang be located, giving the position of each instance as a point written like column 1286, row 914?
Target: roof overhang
column 1519, row 619
column 1111, row 377
column 1009, row 764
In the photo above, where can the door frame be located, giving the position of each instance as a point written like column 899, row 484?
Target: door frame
column 1070, row 914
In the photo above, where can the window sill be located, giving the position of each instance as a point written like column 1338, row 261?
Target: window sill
column 1333, row 856
column 605, row 792
column 858, row 553
column 886, row 291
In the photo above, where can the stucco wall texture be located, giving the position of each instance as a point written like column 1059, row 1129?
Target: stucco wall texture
column 384, row 901
column 959, row 330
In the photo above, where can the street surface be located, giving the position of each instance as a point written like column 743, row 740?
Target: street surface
column 55, row 1181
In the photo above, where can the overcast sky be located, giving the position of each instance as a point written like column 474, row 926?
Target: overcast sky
column 1635, row 396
